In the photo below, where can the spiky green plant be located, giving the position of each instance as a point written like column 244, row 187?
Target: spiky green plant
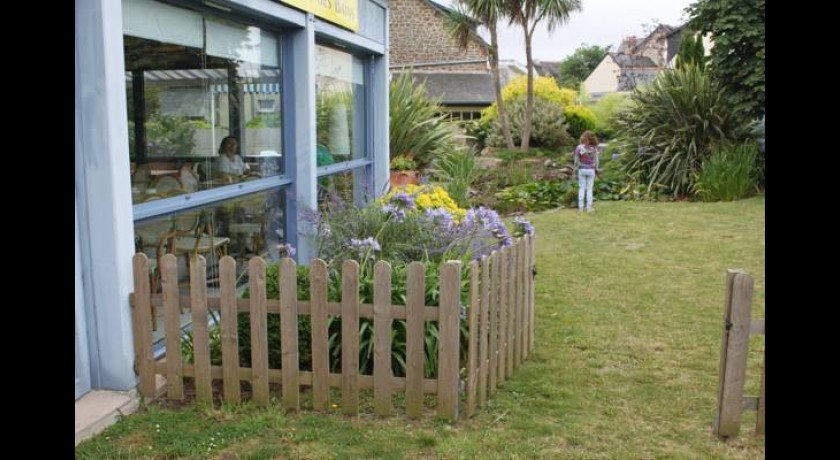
column 458, row 171
column 672, row 125
column 418, row 130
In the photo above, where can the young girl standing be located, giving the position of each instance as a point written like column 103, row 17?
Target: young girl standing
column 586, row 163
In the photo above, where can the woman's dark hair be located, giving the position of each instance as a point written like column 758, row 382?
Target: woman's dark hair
column 224, row 143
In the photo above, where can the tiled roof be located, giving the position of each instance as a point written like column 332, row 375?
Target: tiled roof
column 458, row 88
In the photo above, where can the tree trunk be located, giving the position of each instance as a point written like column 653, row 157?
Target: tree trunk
column 497, row 84
column 529, row 101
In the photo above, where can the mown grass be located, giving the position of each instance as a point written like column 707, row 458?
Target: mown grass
column 629, row 303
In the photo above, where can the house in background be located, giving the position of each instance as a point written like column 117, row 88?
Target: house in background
column 674, row 39
column 548, row 69
column 634, row 63
column 419, row 39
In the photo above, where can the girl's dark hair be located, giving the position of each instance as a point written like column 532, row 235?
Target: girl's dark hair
column 588, row 138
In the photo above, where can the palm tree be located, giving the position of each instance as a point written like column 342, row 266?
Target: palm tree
column 529, row 13
column 463, row 21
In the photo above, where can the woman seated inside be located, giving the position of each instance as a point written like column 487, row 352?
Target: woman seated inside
column 230, row 166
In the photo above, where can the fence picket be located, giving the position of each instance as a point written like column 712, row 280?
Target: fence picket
column 143, row 326
column 320, row 335
column 172, row 326
column 495, row 288
column 503, row 313
column 485, row 329
column 259, row 331
column 200, row 332
column 415, row 339
column 350, row 337
column 230, row 329
column 289, row 356
column 382, row 338
column 523, row 306
column 472, row 341
column 516, row 302
column 510, row 258
column 448, row 340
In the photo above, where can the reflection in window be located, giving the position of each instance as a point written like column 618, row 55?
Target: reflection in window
column 244, row 227
column 339, row 86
column 348, row 187
column 191, row 81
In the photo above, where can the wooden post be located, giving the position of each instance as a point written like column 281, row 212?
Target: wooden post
column 350, row 337
column 448, row 341
column 415, row 339
column 200, row 332
column 736, row 334
column 289, row 334
column 230, row 330
column 759, row 421
column 382, row 338
column 531, row 289
column 143, row 326
column 320, row 335
column 172, row 326
column 259, row 331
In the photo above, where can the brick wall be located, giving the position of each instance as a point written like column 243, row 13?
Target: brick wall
column 418, row 34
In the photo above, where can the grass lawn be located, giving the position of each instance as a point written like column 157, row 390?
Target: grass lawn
column 629, row 305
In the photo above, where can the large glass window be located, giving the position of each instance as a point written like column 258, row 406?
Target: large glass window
column 204, row 100
column 340, row 99
column 204, row 111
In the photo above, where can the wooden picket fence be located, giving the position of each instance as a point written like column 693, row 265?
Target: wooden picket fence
column 738, row 325
column 500, row 332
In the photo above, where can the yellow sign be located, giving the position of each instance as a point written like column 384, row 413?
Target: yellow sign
column 342, row 12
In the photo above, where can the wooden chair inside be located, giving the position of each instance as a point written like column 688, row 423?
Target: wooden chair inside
column 192, row 234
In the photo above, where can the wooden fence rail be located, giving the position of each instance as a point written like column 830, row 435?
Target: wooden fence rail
column 499, row 332
column 737, row 327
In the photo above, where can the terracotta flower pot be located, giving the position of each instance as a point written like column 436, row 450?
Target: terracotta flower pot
column 400, row 178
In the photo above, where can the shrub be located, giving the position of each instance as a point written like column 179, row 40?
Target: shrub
column 672, row 125
column 545, row 88
column 416, row 128
column 579, row 119
column 548, row 128
column 606, row 112
column 728, row 174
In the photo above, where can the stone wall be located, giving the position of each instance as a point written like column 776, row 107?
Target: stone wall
column 419, row 35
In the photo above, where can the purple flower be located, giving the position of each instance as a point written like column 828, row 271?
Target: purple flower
column 523, row 227
column 366, row 244
column 440, row 216
column 402, row 200
column 286, row 250
column 397, row 213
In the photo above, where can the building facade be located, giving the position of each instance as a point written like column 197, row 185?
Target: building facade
column 213, row 128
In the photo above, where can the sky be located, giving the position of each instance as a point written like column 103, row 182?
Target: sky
column 601, row 22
